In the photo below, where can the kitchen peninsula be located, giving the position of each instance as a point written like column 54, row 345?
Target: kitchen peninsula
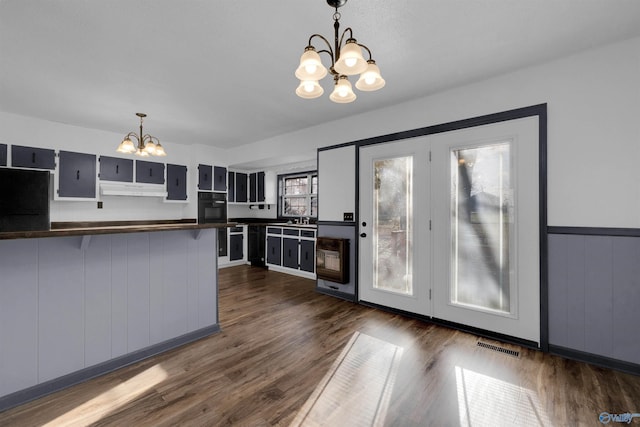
column 83, row 299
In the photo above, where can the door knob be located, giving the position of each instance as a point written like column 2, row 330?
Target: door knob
column 363, row 234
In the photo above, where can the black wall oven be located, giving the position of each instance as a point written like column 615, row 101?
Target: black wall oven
column 212, row 207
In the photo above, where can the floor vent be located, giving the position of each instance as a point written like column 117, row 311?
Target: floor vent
column 503, row 350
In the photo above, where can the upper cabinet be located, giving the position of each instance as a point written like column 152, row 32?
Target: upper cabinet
column 231, row 194
column 149, row 172
column 176, row 182
column 116, row 169
column 219, row 178
column 336, row 171
column 3, row 154
column 205, row 177
column 241, row 187
column 30, row 157
column 256, row 187
column 77, row 175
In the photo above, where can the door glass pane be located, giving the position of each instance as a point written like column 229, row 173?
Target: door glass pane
column 481, row 206
column 393, row 224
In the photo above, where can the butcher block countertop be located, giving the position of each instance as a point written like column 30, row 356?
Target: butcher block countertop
column 64, row 229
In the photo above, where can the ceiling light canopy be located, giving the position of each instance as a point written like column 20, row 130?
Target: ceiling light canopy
column 346, row 60
column 146, row 145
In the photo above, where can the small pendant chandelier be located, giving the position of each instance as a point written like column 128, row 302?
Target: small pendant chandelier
column 346, row 60
column 146, row 145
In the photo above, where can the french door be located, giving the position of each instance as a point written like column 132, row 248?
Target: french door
column 449, row 227
column 394, row 203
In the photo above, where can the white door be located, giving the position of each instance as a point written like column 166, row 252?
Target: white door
column 486, row 227
column 394, row 267
column 449, row 227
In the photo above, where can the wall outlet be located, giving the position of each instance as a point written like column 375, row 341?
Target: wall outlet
column 348, row 216
column 99, row 205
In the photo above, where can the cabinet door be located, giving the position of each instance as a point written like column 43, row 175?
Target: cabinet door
column 3, row 154
column 231, row 194
column 77, row 175
column 274, row 250
column 223, row 234
column 290, row 253
column 176, row 182
column 241, row 187
column 116, row 169
column 149, row 172
column 235, row 247
column 260, row 185
column 307, row 255
column 253, row 187
column 219, row 178
column 204, row 177
column 29, row 157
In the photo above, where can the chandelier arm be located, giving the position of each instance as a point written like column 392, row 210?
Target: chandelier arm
column 342, row 36
column 367, row 49
column 132, row 134
column 326, row 42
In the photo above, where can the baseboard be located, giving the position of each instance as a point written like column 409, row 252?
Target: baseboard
column 594, row 359
column 337, row 294
column 40, row 390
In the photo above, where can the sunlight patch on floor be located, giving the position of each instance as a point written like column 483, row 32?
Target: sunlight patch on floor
column 93, row 410
column 487, row 401
column 357, row 389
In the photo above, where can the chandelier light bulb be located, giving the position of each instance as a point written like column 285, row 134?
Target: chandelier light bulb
column 310, row 67
column 309, row 89
column 350, row 61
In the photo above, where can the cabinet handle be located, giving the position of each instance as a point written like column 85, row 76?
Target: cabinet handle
column 117, row 169
column 33, row 157
column 206, row 177
column 177, row 182
column 150, row 172
column 77, row 175
column 289, row 252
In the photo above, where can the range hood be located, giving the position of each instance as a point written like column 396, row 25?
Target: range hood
column 130, row 189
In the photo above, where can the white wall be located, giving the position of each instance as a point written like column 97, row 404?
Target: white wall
column 593, row 129
column 20, row 130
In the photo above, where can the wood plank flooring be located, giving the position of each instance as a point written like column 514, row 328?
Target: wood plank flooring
column 280, row 338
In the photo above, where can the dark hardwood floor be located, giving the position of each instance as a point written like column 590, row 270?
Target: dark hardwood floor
column 280, row 338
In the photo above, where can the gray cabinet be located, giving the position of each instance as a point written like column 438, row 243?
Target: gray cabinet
column 290, row 253
column 256, row 187
column 307, row 255
column 236, row 243
column 219, row 178
column 30, row 157
column 149, row 172
column 231, row 194
column 3, row 154
column 176, row 182
column 116, row 169
column 274, row 250
column 77, row 175
column 241, row 187
column 205, row 177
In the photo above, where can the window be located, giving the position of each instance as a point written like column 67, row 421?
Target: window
column 298, row 194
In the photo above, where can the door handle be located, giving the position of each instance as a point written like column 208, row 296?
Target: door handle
column 78, row 175
column 363, row 234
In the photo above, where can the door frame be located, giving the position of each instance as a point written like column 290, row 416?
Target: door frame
column 539, row 110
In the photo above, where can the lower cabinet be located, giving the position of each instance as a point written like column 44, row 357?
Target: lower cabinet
column 274, row 250
column 292, row 250
column 236, row 242
column 308, row 255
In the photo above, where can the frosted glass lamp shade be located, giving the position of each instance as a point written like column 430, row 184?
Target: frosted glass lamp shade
column 371, row 79
column 150, row 147
column 309, row 89
column 310, row 67
column 141, row 153
column 160, row 150
column 351, row 61
column 342, row 92
column 126, row 146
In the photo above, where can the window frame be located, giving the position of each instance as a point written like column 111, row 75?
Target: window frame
column 308, row 197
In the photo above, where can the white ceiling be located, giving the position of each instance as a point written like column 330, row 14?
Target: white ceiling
column 221, row 72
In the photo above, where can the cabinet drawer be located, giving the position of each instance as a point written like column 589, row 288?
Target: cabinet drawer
column 274, row 230
column 3, row 154
column 307, row 233
column 291, row 232
column 236, row 230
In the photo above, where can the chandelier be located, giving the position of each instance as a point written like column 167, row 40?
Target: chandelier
column 346, row 60
column 146, row 145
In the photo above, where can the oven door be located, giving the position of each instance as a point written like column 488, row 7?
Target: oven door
column 212, row 208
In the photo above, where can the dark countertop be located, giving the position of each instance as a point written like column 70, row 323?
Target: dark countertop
column 64, row 229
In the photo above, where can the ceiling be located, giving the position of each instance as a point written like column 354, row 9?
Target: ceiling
column 222, row 73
